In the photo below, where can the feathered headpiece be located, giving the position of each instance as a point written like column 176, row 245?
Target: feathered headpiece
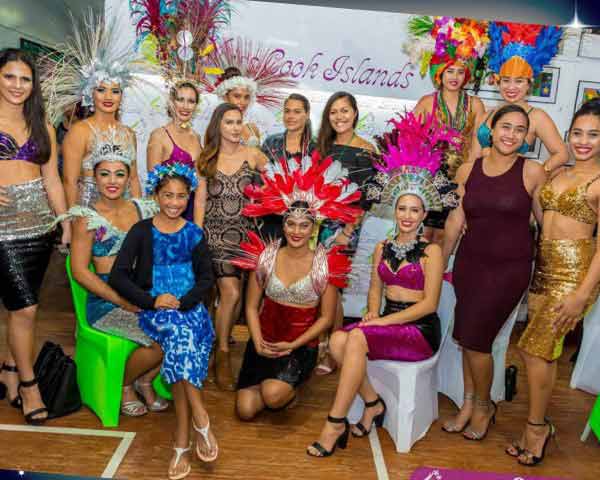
column 324, row 186
column 178, row 35
column 96, row 53
column 411, row 157
column 439, row 42
column 161, row 171
column 259, row 67
column 521, row 50
column 115, row 144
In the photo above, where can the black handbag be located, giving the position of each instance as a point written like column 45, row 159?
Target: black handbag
column 57, row 379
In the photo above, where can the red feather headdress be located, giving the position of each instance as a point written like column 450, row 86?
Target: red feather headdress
column 323, row 185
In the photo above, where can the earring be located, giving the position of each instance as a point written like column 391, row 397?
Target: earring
column 421, row 229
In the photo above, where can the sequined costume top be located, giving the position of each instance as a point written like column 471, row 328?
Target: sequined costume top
column 409, row 276
column 28, row 213
column 305, row 291
column 10, row 150
column 570, row 203
column 108, row 238
column 224, row 223
column 178, row 154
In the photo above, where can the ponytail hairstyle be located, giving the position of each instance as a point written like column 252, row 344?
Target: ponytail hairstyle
column 326, row 132
column 207, row 162
column 307, row 130
column 34, row 111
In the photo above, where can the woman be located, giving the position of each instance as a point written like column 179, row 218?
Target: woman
column 164, row 269
column 493, row 259
column 291, row 295
column 406, row 269
column 30, row 195
column 97, row 237
column 296, row 141
column 457, row 46
column 101, row 128
column 567, row 272
column 516, row 74
column 337, row 137
column 251, row 74
column 176, row 141
column 226, row 167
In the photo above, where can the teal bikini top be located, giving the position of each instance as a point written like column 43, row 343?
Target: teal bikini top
column 108, row 238
column 484, row 134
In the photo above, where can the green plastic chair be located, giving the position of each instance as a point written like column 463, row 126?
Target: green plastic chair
column 593, row 423
column 100, row 359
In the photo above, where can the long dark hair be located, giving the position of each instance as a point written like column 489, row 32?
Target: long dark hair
column 34, row 111
column 307, row 130
column 591, row 107
column 207, row 162
column 326, row 132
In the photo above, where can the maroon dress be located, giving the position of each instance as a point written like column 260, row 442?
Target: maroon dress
column 493, row 262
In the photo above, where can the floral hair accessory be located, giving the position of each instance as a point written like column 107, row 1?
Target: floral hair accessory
column 436, row 43
column 174, row 169
column 522, row 50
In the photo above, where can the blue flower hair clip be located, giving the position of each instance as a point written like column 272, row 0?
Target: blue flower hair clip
column 174, row 169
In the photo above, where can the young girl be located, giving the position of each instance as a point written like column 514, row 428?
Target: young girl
column 164, row 268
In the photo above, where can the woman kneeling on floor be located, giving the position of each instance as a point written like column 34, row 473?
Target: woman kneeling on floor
column 164, row 268
column 407, row 269
column 298, row 283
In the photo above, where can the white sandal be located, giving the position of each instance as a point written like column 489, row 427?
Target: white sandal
column 134, row 408
column 179, row 451
column 159, row 405
column 204, row 432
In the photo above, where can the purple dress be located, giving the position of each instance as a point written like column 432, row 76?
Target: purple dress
column 407, row 342
column 179, row 155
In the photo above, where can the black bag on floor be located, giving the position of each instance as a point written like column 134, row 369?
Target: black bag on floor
column 57, row 378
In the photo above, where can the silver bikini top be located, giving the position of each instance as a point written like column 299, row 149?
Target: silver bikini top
column 306, row 291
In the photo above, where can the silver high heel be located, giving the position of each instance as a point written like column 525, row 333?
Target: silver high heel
column 159, row 404
column 204, row 432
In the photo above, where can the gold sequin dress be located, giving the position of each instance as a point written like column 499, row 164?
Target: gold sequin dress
column 560, row 267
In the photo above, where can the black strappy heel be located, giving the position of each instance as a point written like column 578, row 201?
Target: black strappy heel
column 537, row 460
column 377, row 419
column 29, row 417
column 341, row 441
column 15, row 402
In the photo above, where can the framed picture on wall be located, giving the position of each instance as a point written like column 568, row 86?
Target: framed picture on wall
column 535, row 149
column 543, row 90
column 586, row 91
column 589, row 43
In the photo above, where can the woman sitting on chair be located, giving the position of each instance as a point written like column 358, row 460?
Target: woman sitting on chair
column 98, row 233
column 407, row 269
column 298, row 283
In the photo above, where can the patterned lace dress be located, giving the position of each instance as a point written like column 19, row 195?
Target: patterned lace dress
column 224, row 223
column 185, row 336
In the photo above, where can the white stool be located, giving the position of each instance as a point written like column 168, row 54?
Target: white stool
column 586, row 374
column 408, row 388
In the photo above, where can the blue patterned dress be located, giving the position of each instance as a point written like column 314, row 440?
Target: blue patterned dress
column 186, row 337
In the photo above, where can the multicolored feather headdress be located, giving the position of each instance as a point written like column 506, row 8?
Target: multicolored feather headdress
column 411, row 157
column 177, row 36
column 96, row 53
column 436, row 43
column 323, row 185
column 259, row 67
column 521, row 50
